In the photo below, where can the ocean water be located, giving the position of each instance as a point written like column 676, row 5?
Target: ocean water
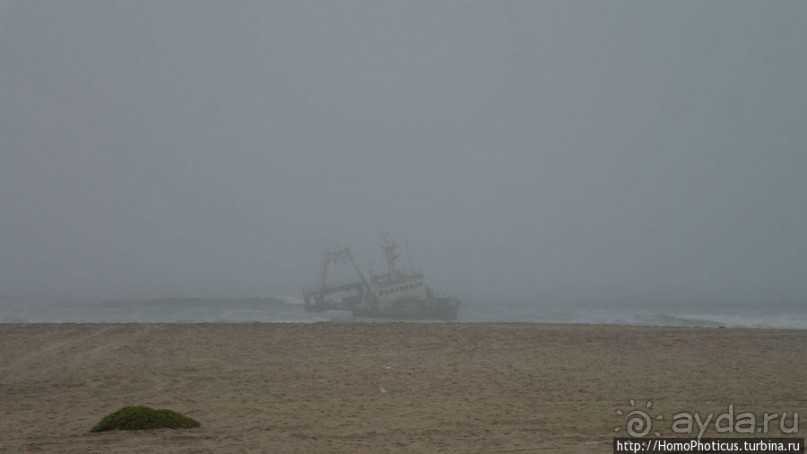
column 683, row 315
column 289, row 309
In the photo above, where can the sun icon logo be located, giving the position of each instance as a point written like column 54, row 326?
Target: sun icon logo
column 638, row 423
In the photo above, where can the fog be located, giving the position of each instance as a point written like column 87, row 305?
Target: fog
column 621, row 151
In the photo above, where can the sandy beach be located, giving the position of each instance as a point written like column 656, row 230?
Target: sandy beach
column 393, row 387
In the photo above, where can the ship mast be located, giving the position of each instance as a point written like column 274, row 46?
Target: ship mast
column 391, row 255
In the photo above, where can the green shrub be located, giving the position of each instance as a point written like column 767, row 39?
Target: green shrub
column 137, row 418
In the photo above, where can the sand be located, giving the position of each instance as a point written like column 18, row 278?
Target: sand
column 382, row 387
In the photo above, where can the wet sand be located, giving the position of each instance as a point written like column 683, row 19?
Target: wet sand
column 397, row 387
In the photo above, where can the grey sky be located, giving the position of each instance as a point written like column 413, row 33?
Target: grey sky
column 578, row 149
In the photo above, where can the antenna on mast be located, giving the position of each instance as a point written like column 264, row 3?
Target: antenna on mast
column 391, row 255
column 408, row 256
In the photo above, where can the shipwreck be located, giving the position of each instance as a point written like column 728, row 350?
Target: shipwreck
column 397, row 294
